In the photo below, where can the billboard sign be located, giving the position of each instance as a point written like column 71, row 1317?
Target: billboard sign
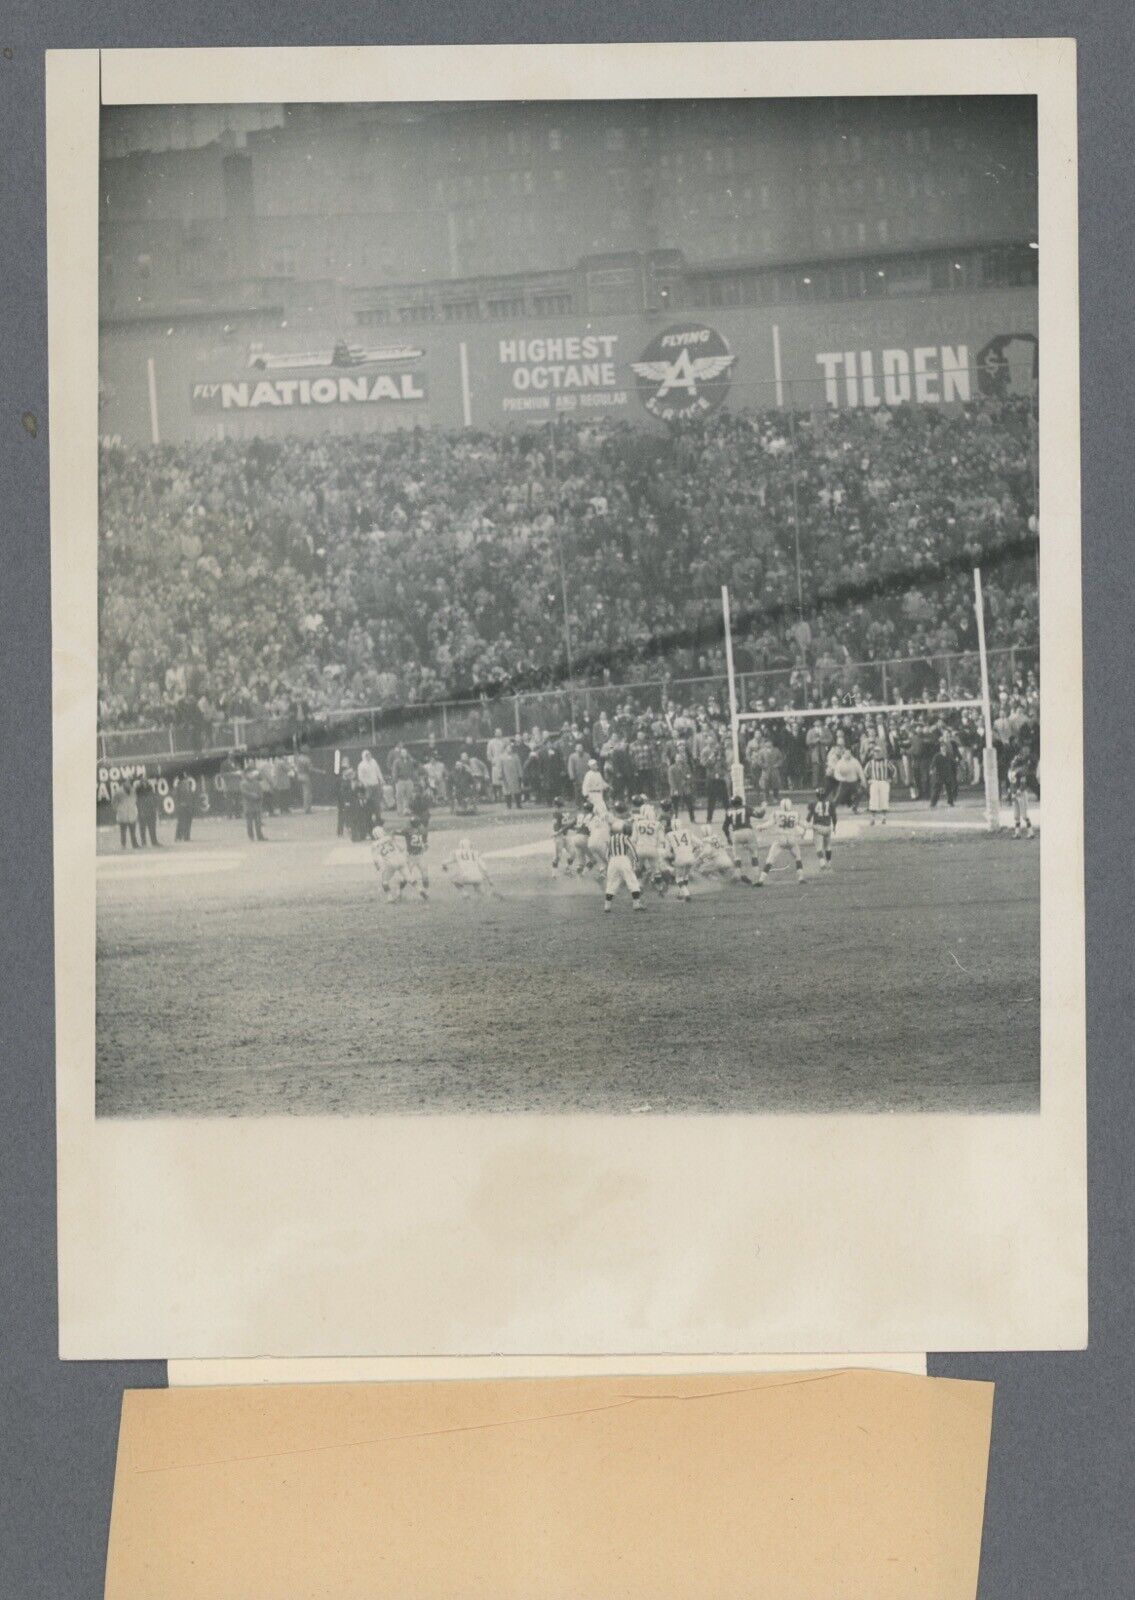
column 339, row 357
column 344, row 389
column 560, row 372
column 684, row 372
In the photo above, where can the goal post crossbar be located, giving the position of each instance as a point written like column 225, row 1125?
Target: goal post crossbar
column 888, row 708
column 981, row 702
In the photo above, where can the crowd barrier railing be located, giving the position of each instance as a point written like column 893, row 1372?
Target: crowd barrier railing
column 891, row 680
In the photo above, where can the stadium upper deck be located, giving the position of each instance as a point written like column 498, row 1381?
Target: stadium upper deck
column 364, row 268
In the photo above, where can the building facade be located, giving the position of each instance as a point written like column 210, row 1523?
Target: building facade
column 318, row 203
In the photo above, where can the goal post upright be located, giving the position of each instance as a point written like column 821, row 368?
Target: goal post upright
column 989, row 754
column 877, row 708
column 738, row 772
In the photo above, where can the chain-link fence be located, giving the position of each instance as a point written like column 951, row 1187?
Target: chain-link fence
column 945, row 677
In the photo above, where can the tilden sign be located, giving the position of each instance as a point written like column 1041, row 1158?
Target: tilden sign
column 930, row 374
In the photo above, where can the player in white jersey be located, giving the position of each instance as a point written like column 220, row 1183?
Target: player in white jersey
column 598, row 837
column 388, row 852
column 578, row 840
column 682, row 849
column 713, row 857
column 647, row 835
column 470, row 876
column 785, row 837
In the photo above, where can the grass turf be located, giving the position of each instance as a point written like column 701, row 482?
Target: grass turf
column 242, row 980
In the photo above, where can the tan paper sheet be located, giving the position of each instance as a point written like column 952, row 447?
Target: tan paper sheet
column 796, row 1487
column 411, row 1369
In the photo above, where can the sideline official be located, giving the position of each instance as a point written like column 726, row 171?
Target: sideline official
column 146, row 796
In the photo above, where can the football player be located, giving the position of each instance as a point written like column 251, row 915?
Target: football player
column 470, row 876
column 821, row 820
column 579, row 840
column 599, row 824
column 713, row 857
column 681, row 848
column 647, row 836
column 1019, row 794
column 741, row 832
column 562, row 826
column 388, row 852
column 415, row 872
column 786, row 836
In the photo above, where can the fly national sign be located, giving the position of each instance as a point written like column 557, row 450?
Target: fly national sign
column 243, row 394
column 340, row 376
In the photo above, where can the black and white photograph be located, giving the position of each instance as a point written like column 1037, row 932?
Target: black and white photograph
column 568, row 607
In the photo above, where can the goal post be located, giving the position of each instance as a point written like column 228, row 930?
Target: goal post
column 737, row 773
column 989, row 754
column 879, row 708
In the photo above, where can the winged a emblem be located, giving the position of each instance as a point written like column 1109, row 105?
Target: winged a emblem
column 684, row 372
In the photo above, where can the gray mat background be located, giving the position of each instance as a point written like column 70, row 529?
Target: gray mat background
column 1060, row 1477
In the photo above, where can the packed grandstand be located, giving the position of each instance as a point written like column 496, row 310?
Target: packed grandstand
column 305, row 576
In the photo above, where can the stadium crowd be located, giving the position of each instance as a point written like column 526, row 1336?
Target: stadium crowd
column 295, row 577
column 677, row 754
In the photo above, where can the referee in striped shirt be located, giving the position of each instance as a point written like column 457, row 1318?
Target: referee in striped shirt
column 880, row 775
column 622, row 864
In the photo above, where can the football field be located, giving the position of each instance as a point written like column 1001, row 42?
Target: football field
column 242, row 980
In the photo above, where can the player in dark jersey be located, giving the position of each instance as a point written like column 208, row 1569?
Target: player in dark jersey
column 821, row 820
column 563, row 824
column 420, row 810
column 740, row 828
column 1020, row 775
column 415, row 872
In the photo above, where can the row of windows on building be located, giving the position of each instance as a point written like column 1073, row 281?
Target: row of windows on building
column 721, row 153
column 721, row 235
column 470, row 188
column 1011, row 266
column 491, row 309
column 711, row 240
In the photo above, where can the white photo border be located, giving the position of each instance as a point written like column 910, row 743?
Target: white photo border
column 584, row 1235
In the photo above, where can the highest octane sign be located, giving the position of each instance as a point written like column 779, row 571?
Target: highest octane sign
column 684, row 372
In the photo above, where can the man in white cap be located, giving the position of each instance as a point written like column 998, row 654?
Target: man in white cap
column 594, row 786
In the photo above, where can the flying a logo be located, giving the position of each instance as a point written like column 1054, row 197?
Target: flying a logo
column 684, row 372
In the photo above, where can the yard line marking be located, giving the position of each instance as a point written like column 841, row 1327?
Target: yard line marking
column 345, row 855
column 538, row 847
column 352, row 855
column 150, row 865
